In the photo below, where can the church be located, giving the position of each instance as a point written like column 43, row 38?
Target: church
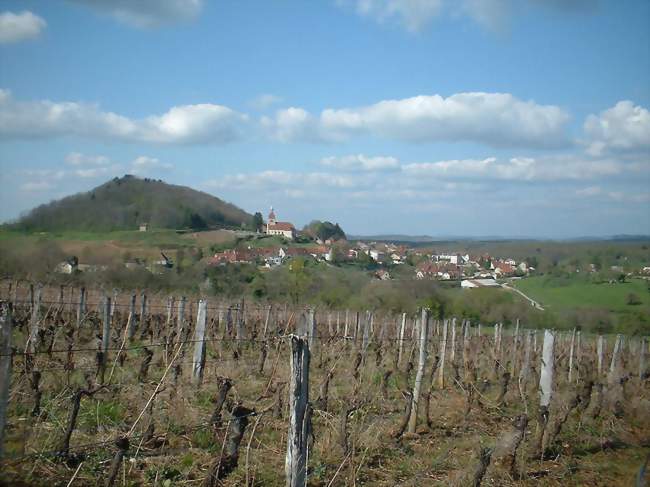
column 284, row 229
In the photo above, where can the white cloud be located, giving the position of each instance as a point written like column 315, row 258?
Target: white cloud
column 281, row 180
column 95, row 172
column 146, row 164
column 494, row 15
column 495, row 119
column 411, row 14
column 292, row 124
column 589, row 191
column 147, row 13
column 35, row 186
column 84, row 166
column 185, row 124
column 15, row 27
column 79, row 159
column 555, row 168
column 361, row 162
column 264, row 101
column 617, row 196
column 624, row 127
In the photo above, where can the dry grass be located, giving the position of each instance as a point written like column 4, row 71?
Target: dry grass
column 605, row 451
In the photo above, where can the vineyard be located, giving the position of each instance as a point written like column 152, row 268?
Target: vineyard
column 137, row 388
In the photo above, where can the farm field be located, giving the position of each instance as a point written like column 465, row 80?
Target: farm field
column 145, row 417
column 563, row 294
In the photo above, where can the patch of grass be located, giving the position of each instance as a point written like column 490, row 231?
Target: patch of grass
column 100, row 413
column 203, row 438
column 577, row 293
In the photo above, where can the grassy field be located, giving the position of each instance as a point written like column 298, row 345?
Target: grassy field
column 564, row 294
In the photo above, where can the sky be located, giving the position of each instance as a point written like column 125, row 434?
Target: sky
column 515, row 118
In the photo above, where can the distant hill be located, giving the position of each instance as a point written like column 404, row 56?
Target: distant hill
column 124, row 203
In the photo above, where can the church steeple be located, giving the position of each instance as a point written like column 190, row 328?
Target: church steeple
column 271, row 217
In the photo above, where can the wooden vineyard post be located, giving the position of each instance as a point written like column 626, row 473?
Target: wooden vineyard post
column 401, row 339
column 515, row 344
column 31, row 297
column 36, row 318
column 546, row 372
column 266, row 321
column 452, row 351
column 295, row 466
column 81, row 307
column 114, row 302
column 198, row 360
column 573, row 339
column 106, row 335
column 170, row 310
column 600, row 350
column 466, row 350
column 415, row 399
column 613, row 366
column 443, row 352
column 143, row 308
column 545, row 384
column 180, row 317
column 366, row 332
column 131, row 322
column 310, row 329
column 241, row 332
column 5, row 367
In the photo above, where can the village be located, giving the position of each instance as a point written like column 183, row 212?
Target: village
column 472, row 271
column 276, row 243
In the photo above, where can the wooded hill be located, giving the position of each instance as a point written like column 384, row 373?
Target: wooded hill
column 125, row 203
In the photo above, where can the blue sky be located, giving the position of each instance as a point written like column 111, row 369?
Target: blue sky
column 439, row 117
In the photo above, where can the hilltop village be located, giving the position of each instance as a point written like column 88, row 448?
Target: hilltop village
column 273, row 243
column 335, row 249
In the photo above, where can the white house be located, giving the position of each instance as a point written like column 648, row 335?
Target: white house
column 474, row 283
column 376, row 255
column 283, row 229
column 451, row 258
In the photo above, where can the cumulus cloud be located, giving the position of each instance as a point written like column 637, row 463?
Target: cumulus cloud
column 495, row 119
column 361, row 162
column 146, row 13
column 15, row 27
column 292, row 125
column 185, row 124
column 624, row 127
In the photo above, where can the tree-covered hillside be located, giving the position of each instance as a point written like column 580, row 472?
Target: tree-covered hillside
column 324, row 230
column 125, row 203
